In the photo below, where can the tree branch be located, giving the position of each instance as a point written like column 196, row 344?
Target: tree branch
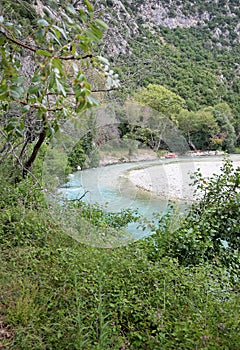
column 73, row 94
column 19, row 43
column 79, row 199
column 68, row 58
column 30, row 48
column 37, row 106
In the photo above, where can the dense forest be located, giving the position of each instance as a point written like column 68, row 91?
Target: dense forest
column 177, row 63
column 197, row 64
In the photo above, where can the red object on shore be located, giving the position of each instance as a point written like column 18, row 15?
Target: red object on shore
column 171, row 155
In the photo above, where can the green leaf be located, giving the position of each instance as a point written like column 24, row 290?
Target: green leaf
column 56, row 62
column 69, row 20
column 26, row 108
column 79, row 93
column 16, row 92
column 73, row 49
column 92, row 100
column 103, row 60
column 55, row 35
column 89, row 6
column 83, row 15
column 101, row 24
column 71, row 10
column 62, row 31
column 60, row 88
column 81, row 106
column 51, row 81
column 94, row 33
column 98, row 32
column 18, row 80
column 36, row 78
column 40, row 34
column 33, row 89
column 81, row 77
column 44, row 53
column 18, row 132
column 48, row 12
column 4, row 105
column 4, row 96
column 43, row 23
column 56, row 127
column 9, row 127
column 50, row 132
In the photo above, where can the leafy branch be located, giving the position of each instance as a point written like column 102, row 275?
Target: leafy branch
column 54, row 85
column 43, row 52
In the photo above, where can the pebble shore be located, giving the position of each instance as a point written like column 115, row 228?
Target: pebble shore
column 172, row 180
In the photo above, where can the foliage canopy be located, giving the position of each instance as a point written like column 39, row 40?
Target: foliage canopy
column 44, row 75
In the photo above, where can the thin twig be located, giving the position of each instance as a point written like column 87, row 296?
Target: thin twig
column 73, row 94
column 79, row 199
column 37, row 106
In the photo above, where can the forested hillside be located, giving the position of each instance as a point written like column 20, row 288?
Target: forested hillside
column 190, row 47
column 72, row 275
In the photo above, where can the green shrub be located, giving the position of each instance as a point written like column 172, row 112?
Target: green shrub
column 211, row 230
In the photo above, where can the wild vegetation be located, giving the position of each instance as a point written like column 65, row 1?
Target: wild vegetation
column 45, row 75
column 178, row 288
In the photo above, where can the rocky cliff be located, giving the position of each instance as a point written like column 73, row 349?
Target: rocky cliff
column 128, row 18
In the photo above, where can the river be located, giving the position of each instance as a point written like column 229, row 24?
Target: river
column 147, row 186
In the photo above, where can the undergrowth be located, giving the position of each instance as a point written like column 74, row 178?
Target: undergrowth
column 57, row 293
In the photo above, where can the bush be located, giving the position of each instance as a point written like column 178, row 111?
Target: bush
column 211, row 230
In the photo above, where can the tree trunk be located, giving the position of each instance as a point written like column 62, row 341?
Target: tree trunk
column 191, row 144
column 31, row 159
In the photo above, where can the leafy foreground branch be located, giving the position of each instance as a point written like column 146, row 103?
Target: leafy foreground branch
column 46, row 71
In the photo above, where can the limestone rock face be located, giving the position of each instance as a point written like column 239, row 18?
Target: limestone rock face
column 125, row 18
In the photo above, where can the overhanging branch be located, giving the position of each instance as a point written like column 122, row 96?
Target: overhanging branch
column 37, row 106
column 73, row 94
column 33, row 49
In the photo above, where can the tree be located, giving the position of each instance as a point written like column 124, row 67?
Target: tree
column 223, row 115
column 199, row 127
column 43, row 75
column 161, row 99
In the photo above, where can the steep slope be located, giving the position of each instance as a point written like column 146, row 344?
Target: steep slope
column 128, row 17
column 190, row 47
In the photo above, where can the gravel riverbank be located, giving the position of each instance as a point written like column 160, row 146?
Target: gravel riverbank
column 172, row 180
